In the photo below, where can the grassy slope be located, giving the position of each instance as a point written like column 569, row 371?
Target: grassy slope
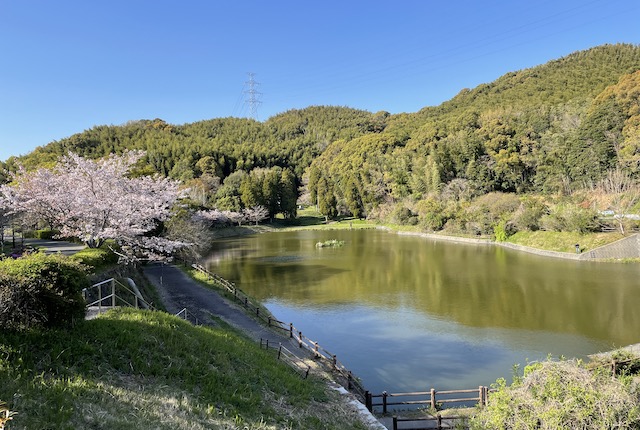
column 563, row 241
column 141, row 370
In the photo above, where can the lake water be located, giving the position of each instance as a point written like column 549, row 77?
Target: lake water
column 406, row 313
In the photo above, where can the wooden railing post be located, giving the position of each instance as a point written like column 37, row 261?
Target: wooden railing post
column 368, row 400
column 384, row 402
column 439, row 421
column 99, row 299
column 334, row 360
column 433, row 398
column 291, row 330
column 613, row 368
column 113, row 293
column 279, row 351
column 480, row 395
column 300, row 339
column 395, row 423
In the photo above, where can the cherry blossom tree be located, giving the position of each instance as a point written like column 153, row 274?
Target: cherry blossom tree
column 96, row 200
column 255, row 213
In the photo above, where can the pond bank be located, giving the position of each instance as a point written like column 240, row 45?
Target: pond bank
column 625, row 248
column 622, row 249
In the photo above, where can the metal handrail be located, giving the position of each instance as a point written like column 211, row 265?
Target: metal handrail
column 113, row 296
column 184, row 313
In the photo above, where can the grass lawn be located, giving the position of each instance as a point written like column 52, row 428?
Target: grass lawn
column 133, row 369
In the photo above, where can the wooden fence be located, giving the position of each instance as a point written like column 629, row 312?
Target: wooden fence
column 288, row 357
column 433, row 399
column 348, row 380
column 428, row 423
column 621, row 366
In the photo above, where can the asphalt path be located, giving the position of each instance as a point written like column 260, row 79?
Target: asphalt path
column 52, row 246
column 178, row 291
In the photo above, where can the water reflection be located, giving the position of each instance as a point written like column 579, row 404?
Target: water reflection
column 410, row 311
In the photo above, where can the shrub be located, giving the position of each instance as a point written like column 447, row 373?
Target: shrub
column 570, row 217
column 96, row 257
column 484, row 213
column 431, row 213
column 403, row 216
column 502, row 231
column 41, row 290
column 560, row 395
column 45, row 234
column 528, row 215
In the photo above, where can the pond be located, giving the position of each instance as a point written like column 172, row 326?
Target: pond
column 406, row 313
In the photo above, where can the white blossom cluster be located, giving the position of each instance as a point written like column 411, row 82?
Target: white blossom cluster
column 96, row 200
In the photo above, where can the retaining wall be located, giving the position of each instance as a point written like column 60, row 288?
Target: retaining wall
column 629, row 247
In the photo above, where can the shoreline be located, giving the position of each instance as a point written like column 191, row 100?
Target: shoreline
column 621, row 250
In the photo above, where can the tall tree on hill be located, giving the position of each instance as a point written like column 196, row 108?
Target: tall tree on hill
column 288, row 194
column 327, row 202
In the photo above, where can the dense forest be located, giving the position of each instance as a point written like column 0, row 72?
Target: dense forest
column 512, row 153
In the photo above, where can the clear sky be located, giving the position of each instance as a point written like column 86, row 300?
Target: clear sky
column 68, row 65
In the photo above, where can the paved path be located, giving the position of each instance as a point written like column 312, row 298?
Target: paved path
column 179, row 291
column 54, row 246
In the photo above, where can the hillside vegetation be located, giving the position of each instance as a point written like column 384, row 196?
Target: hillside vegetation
column 133, row 369
column 556, row 132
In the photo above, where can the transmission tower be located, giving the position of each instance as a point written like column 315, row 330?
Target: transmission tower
column 253, row 96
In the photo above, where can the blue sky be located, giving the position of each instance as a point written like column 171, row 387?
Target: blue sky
column 68, row 65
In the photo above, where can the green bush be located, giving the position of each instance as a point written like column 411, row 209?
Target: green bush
column 41, row 290
column 501, row 231
column 528, row 215
column 571, row 217
column 96, row 257
column 431, row 213
column 560, row 395
column 485, row 212
column 45, row 234
column 403, row 216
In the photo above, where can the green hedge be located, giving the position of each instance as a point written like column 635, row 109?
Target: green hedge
column 41, row 291
column 96, row 257
column 46, row 234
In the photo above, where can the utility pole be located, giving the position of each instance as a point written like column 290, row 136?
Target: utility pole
column 253, row 96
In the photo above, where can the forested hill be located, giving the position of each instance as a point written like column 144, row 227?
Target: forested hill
column 550, row 128
column 291, row 139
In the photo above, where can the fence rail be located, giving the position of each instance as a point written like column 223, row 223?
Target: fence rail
column 433, row 398
column 188, row 316
column 288, row 357
column 320, row 353
column 438, row 422
column 111, row 293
